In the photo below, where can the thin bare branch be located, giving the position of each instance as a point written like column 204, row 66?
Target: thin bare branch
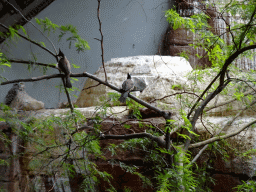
column 159, row 139
column 37, row 44
column 33, row 25
column 32, row 63
column 91, row 86
column 227, row 102
column 101, row 40
column 218, row 138
column 179, row 93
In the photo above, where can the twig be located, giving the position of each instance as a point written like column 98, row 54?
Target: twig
column 30, row 41
column 227, row 102
column 158, row 139
column 33, row 25
column 91, row 86
column 217, row 138
column 227, row 125
column 29, row 62
column 33, row 79
column 102, row 49
column 179, row 93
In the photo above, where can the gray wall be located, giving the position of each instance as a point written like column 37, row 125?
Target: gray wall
column 130, row 27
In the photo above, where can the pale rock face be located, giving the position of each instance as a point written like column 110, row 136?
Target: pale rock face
column 17, row 98
column 160, row 73
column 24, row 102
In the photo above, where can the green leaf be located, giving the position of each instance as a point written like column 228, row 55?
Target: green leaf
column 127, row 126
column 1, row 119
column 42, row 43
column 23, row 29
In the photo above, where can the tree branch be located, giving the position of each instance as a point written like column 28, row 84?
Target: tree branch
column 31, row 41
column 101, row 41
column 217, row 138
column 34, row 26
column 32, row 63
column 159, row 139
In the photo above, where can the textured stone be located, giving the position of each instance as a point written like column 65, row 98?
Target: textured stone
column 225, row 182
column 24, row 102
column 180, row 36
column 17, row 98
column 158, row 72
column 202, row 62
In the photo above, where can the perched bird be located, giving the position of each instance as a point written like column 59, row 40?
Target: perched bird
column 65, row 67
column 139, row 84
column 127, row 87
column 12, row 93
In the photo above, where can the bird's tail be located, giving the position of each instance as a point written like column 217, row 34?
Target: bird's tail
column 68, row 83
column 123, row 97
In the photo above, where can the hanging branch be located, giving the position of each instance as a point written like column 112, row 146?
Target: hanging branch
column 31, row 41
column 33, row 25
column 29, row 62
column 101, row 41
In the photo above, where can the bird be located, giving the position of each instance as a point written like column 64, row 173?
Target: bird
column 127, row 87
column 12, row 93
column 65, row 67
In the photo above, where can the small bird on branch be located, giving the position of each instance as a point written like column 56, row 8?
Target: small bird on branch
column 127, row 87
column 65, row 67
column 12, row 93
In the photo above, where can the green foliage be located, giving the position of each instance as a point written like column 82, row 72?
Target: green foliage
column 48, row 26
column 4, row 62
column 153, row 156
column 3, row 162
column 198, row 21
column 205, row 39
column 187, row 125
column 90, row 180
column 80, row 43
column 126, row 189
column 178, row 178
column 113, row 97
column 13, row 34
column 239, row 95
column 49, row 138
column 135, row 107
column 248, row 153
column 184, row 54
column 204, row 178
column 174, row 19
column 176, row 87
column 127, row 126
column 246, row 186
column 133, row 144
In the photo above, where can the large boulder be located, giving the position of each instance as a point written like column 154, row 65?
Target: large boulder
column 159, row 72
column 17, row 98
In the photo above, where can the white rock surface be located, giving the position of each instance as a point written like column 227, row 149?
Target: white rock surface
column 159, row 73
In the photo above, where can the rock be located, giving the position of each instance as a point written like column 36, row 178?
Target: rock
column 10, row 169
column 195, row 62
column 17, row 98
column 159, row 73
column 180, row 36
column 225, row 182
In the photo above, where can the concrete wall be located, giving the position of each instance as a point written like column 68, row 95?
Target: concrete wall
column 129, row 27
